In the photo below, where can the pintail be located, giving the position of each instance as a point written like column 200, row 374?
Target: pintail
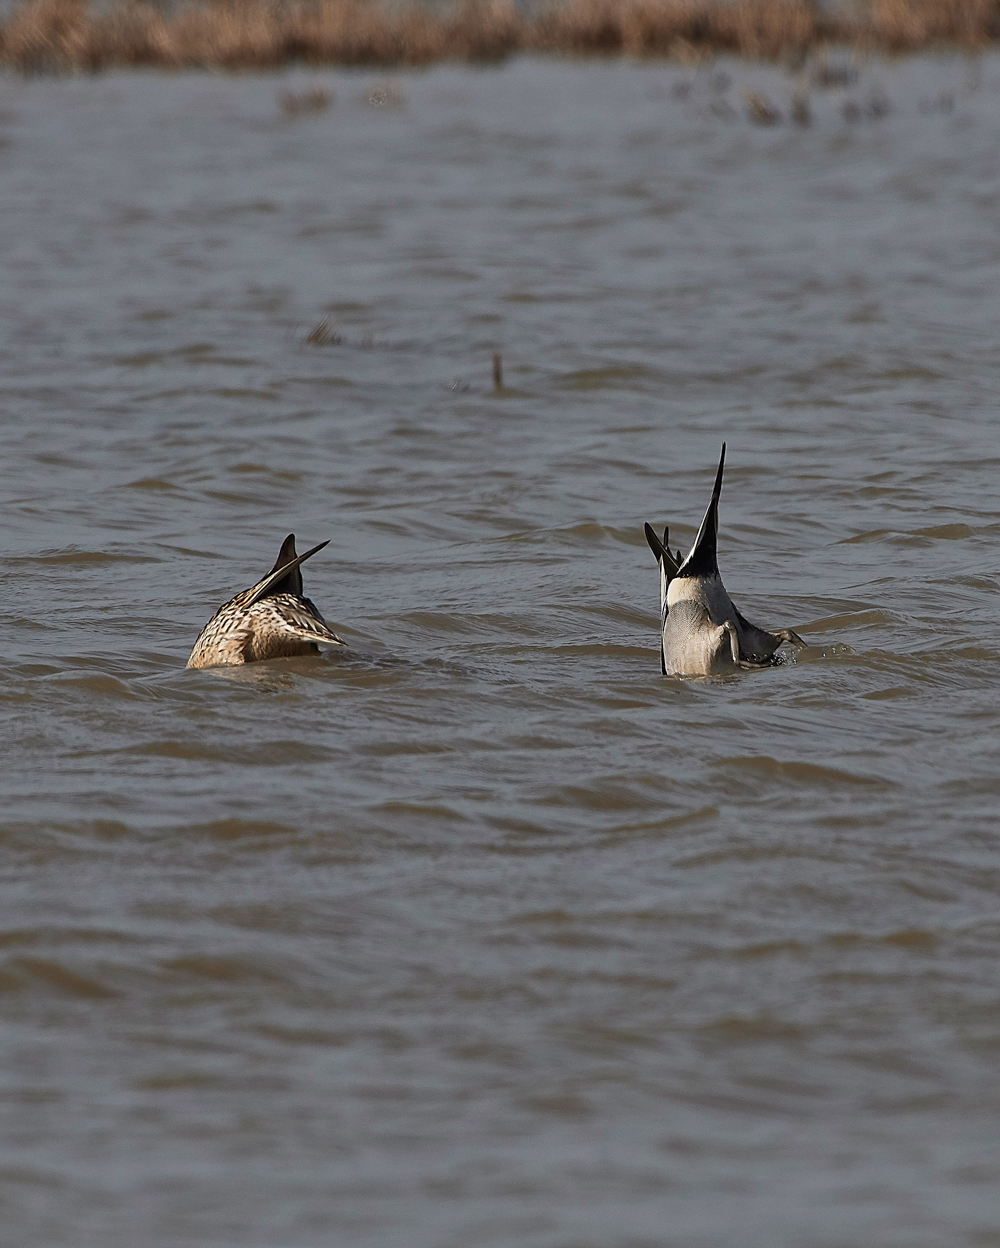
column 701, row 631
column 271, row 620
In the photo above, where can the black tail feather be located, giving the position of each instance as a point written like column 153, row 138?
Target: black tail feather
column 703, row 559
column 655, row 545
column 285, row 577
column 292, row 583
column 662, row 550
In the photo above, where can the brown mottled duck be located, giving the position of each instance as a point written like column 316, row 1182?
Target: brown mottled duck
column 271, row 620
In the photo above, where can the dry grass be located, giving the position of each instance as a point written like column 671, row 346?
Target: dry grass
column 906, row 25
column 68, row 35
column 686, row 29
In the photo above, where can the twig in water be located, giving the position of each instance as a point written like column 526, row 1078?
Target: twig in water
column 321, row 335
column 759, row 107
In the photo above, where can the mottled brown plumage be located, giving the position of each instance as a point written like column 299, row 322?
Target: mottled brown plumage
column 271, row 620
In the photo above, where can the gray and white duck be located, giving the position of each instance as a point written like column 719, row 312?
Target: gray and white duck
column 701, row 631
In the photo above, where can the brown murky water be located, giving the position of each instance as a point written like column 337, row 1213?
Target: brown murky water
column 482, row 933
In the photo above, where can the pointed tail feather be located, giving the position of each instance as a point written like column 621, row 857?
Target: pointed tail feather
column 286, row 554
column 702, row 559
column 662, row 551
column 292, row 583
column 655, row 545
column 282, row 571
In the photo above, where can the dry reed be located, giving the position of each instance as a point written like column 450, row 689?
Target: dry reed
column 801, row 114
column 71, row 35
column 759, row 108
column 323, row 335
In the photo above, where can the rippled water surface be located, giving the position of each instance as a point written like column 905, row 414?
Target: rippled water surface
column 481, row 933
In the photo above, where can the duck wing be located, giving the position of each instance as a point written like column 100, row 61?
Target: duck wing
column 294, row 618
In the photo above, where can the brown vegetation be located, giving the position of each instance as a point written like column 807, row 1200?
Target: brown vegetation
column 72, row 35
column 759, row 108
column 322, row 335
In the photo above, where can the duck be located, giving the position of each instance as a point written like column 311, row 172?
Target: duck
column 270, row 620
column 702, row 633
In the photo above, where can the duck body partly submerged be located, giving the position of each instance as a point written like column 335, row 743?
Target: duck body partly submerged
column 271, row 620
column 701, row 631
